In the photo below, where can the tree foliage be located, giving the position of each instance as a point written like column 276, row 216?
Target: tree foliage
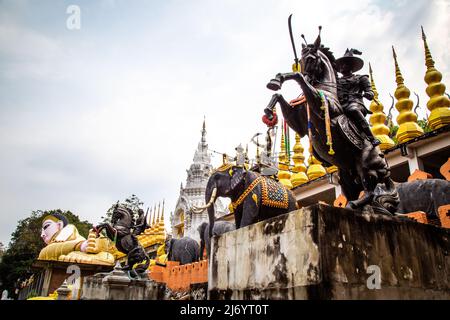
column 25, row 245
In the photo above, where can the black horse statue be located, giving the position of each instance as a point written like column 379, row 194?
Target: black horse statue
column 123, row 230
column 361, row 165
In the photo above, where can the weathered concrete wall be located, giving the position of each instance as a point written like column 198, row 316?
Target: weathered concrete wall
column 323, row 252
column 116, row 285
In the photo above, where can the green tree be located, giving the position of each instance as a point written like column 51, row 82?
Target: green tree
column 423, row 123
column 25, row 245
column 2, row 250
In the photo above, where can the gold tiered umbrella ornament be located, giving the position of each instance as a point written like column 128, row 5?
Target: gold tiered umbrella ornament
column 407, row 120
column 378, row 118
column 439, row 103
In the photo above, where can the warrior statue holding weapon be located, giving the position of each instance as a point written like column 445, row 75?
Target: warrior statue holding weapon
column 318, row 113
column 351, row 89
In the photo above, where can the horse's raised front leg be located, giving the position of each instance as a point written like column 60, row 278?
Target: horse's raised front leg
column 295, row 115
column 110, row 231
column 276, row 83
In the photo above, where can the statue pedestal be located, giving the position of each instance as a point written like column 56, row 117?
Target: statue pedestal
column 116, row 283
column 63, row 292
column 323, row 252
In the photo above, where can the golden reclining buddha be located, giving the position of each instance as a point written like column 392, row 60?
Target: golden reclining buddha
column 64, row 243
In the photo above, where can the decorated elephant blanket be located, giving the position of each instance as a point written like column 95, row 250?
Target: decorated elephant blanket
column 274, row 194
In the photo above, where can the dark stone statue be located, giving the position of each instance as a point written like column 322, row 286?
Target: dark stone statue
column 336, row 137
column 185, row 250
column 123, row 230
column 220, row 227
column 351, row 89
column 423, row 195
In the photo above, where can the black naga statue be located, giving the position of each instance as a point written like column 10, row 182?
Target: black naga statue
column 335, row 136
column 123, row 230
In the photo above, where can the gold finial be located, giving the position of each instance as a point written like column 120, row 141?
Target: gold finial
column 159, row 209
column 429, row 62
column 299, row 177
column 162, row 213
column 377, row 119
column 407, row 119
column 439, row 103
column 283, row 167
column 315, row 168
column 398, row 75
column 153, row 214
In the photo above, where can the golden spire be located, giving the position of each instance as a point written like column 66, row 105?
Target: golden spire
column 439, row 103
column 160, row 221
column 162, row 213
column 377, row 119
column 407, row 119
column 159, row 209
column 283, row 167
column 153, row 215
column 299, row 177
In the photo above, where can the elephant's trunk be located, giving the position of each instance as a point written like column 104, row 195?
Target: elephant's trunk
column 200, row 209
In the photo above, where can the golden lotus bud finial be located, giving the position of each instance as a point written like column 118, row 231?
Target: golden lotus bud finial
column 153, row 214
column 407, row 120
column 299, row 177
column 439, row 103
column 378, row 118
column 283, row 174
column 162, row 213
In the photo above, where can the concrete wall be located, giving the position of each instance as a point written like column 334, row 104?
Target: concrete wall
column 116, row 285
column 323, row 252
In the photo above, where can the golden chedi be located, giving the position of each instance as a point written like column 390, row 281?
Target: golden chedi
column 315, row 168
column 378, row 118
column 284, row 176
column 299, row 171
column 407, row 120
column 439, row 103
column 64, row 243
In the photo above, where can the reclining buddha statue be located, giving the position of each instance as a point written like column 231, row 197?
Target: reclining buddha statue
column 64, row 243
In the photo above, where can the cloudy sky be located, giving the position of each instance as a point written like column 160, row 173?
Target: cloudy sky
column 90, row 116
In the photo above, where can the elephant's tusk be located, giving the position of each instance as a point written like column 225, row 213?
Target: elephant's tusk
column 211, row 201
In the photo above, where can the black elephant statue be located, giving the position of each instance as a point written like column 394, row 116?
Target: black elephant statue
column 423, row 195
column 185, row 250
column 253, row 197
column 220, row 227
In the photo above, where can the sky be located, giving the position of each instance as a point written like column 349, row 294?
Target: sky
column 91, row 115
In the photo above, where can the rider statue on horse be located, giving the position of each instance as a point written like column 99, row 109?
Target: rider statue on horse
column 331, row 112
column 351, row 88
